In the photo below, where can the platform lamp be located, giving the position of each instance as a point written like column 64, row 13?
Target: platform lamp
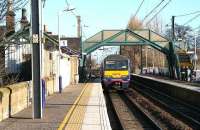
column 59, row 13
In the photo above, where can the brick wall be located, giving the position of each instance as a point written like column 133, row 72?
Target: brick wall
column 14, row 98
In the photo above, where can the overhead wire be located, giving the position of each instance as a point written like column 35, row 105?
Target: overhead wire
column 153, row 10
column 159, row 11
column 192, row 19
column 138, row 9
column 196, row 28
column 72, row 11
column 67, row 3
column 76, row 14
column 182, row 15
column 43, row 3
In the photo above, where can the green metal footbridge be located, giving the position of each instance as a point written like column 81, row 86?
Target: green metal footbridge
column 124, row 37
column 129, row 37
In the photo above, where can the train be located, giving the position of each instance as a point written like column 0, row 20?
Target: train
column 185, row 58
column 115, row 72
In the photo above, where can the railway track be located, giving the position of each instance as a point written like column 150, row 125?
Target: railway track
column 184, row 112
column 131, row 116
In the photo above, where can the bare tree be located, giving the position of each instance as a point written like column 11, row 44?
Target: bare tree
column 154, row 58
column 134, row 23
column 8, row 8
column 13, row 5
column 133, row 52
column 158, row 58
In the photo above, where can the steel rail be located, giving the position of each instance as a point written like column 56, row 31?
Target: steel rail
column 135, row 108
column 185, row 112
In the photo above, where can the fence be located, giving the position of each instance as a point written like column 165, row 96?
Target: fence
column 15, row 63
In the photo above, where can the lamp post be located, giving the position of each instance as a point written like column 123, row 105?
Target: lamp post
column 59, row 13
column 60, row 77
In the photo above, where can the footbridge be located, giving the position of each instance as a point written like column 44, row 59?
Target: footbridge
column 129, row 37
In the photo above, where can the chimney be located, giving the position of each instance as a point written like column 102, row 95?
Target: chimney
column 2, row 32
column 24, row 21
column 45, row 28
column 10, row 18
column 78, row 26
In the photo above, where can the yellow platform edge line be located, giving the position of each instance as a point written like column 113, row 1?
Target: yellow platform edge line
column 70, row 112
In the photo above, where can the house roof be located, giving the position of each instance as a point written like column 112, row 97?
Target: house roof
column 65, row 49
column 69, row 51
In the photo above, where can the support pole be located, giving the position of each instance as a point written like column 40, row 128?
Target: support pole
column 146, row 62
column 173, row 28
column 153, row 58
column 175, row 66
column 59, row 57
column 36, row 72
column 141, row 61
column 172, row 56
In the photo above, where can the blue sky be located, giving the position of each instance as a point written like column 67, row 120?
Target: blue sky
column 112, row 14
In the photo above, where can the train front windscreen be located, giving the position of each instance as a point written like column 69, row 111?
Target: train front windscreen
column 116, row 65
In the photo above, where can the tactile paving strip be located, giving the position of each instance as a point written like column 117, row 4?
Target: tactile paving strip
column 76, row 119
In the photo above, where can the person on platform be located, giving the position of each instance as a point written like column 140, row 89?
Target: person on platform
column 183, row 73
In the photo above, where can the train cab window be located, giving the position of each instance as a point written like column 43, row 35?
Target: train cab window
column 116, row 65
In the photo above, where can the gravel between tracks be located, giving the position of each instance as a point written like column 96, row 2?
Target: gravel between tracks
column 166, row 119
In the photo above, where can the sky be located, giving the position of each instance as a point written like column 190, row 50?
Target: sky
column 97, row 15
column 111, row 14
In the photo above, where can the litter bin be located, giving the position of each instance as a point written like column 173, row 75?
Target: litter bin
column 43, row 93
column 60, row 84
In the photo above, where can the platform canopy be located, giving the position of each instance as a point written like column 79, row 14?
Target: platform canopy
column 126, row 37
column 16, row 37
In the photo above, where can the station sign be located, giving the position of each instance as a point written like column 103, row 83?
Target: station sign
column 63, row 43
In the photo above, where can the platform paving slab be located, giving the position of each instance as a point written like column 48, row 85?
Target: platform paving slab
column 91, row 112
column 57, row 105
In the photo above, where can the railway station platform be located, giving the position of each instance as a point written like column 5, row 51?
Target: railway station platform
column 178, row 83
column 78, row 107
column 182, row 91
